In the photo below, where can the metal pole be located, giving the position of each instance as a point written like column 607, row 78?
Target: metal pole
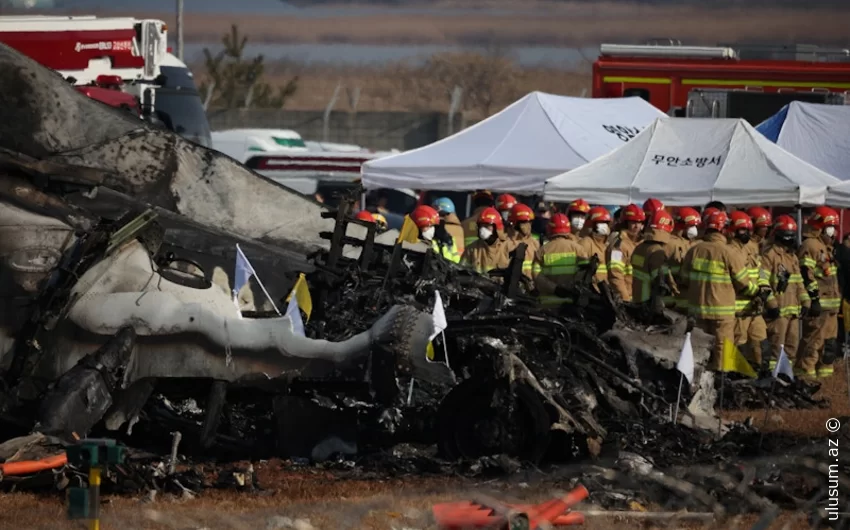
column 180, row 29
column 457, row 94
column 678, row 399
column 326, row 126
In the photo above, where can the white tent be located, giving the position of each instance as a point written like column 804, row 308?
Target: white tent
column 533, row 139
column 819, row 134
column 693, row 161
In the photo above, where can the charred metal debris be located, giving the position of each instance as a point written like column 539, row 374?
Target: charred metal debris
column 509, row 383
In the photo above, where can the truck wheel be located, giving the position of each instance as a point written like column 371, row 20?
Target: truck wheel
column 481, row 417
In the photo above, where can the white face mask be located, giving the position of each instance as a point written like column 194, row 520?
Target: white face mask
column 428, row 233
column 691, row 232
column 485, row 233
column 829, row 231
column 577, row 221
column 602, row 229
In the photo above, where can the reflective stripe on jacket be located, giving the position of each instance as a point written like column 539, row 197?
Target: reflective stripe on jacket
column 619, row 259
column 776, row 261
column 556, row 263
column 713, row 273
column 448, row 252
column 816, row 257
column 750, row 254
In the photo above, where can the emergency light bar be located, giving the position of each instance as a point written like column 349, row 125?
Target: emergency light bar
column 690, row 52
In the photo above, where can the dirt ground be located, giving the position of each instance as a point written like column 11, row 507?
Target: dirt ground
column 320, row 499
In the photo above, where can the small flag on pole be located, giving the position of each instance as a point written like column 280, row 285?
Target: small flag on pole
column 783, row 365
column 409, row 232
column 686, row 360
column 294, row 315
column 440, row 324
column 244, row 271
column 301, row 294
column 734, row 361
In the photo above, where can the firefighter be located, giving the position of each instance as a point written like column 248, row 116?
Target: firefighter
column 504, row 203
column 556, row 263
column 577, row 211
column 480, row 199
column 705, row 215
column 712, row 275
column 490, row 250
column 598, row 227
column 520, row 219
column 650, row 206
column 783, row 267
column 620, row 250
column 762, row 221
column 451, row 222
column 383, row 226
column 427, row 220
column 687, row 223
column 651, row 261
column 820, row 276
column 750, row 327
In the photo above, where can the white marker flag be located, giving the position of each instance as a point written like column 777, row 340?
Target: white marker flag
column 783, row 365
column 686, row 360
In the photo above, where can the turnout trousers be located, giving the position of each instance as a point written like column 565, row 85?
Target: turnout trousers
column 751, row 331
column 784, row 331
column 816, row 331
column 723, row 329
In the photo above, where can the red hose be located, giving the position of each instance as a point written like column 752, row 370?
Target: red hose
column 28, row 467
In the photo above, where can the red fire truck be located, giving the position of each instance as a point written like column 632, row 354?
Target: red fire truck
column 122, row 62
column 750, row 82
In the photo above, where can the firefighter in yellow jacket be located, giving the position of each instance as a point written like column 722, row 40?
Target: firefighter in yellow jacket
column 598, row 226
column 556, row 263
column 713, row 273
column 481, row 199
column 490, row 250
column 619, row 253
column 427, row 220
column 450, row 221
column 687, row 223
column 791, row 299
column 750, row 327
column 652, row 259
column 820, row 276
column 520, row 218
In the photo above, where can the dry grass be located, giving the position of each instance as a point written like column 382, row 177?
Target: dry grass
column 568, row 24
column 402, row 88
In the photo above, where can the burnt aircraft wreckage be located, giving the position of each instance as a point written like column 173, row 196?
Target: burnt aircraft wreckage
column 110, row 235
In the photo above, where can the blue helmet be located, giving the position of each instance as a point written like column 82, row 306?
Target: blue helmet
column 444, row 205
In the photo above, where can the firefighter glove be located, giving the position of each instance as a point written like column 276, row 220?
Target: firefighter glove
column 815, row 310
column 771, row 313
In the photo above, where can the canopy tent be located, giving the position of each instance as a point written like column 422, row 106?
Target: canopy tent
column 693, row 161
column 819, row 134
column 516, row 150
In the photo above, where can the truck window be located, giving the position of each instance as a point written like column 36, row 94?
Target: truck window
column 289, row 142
column 183, row 112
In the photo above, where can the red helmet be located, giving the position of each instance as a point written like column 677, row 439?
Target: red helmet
column 761, row 217
column 739, row 220
column 579, row 206
column 482, row 194
column 822, row 217
column 424, row 216
column 558, row 224
column 687, row 216
column 707, row 212
column 632, row 212
column 598, row 214
column 505, row 202
column 365, row 215
column 521, row 213
column 490, row 216
column 662, row 220
column 716, row 220
column 785, row 223
column 651, row 206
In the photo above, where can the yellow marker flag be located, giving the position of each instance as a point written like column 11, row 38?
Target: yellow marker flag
column 734, row 361
column 429, row 352
column 302, row 295
column 409, row 232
